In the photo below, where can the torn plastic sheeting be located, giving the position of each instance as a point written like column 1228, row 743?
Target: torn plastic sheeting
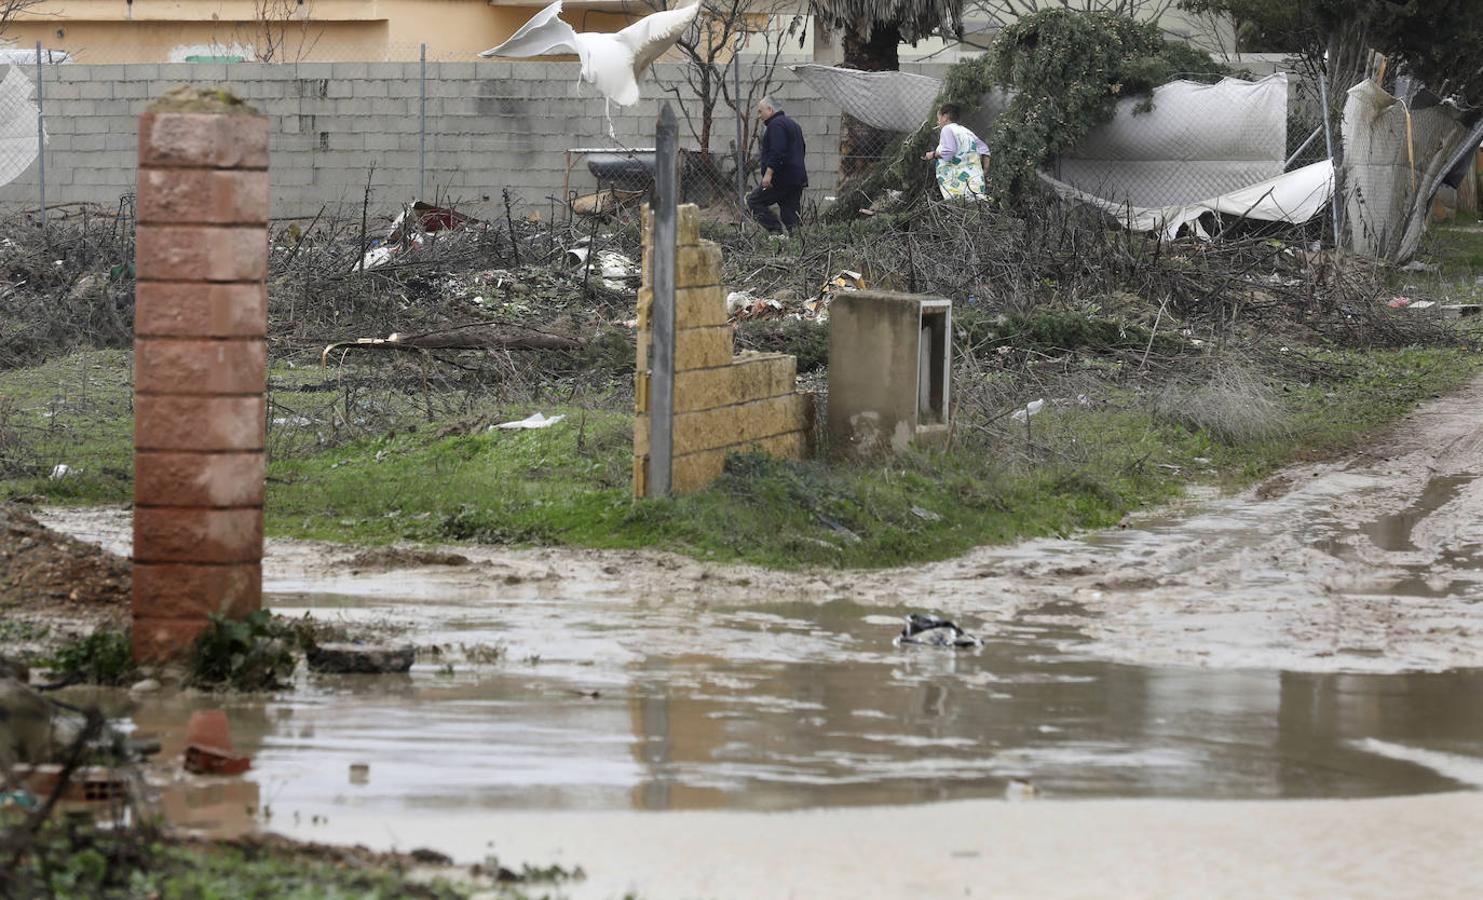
column 1295, row 197
column 17, row 125
column 1395, row 156
column 891, row 101
column 537, row 420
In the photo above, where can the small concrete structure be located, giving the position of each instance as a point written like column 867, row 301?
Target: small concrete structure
column 200, row 368
column 723, row 403
column 890, row 371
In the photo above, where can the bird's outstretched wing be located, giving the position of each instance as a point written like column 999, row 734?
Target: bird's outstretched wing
column 544, row 34
column 653, row 34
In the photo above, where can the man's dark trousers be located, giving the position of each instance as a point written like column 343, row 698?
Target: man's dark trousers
column 787, row 199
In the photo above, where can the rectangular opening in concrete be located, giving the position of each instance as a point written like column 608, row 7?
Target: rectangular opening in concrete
column 934, row 362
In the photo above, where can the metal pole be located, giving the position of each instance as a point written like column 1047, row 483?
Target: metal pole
column 422, row 130
column 662, row 311
column 41, row 133
column 1328, row 136
column 1303, row 149
column 741, row 113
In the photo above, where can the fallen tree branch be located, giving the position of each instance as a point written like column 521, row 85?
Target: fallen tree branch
column 468, row 339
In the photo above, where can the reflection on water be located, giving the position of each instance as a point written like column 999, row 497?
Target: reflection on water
column 799, row 707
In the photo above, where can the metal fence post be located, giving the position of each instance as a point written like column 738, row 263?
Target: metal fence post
column 1328, row 136
column 41, row 133
column 422, row 130
column 662, row 309
column 741, row 113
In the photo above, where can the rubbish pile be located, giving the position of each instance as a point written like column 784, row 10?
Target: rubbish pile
column 745, row 306
column 409, row 231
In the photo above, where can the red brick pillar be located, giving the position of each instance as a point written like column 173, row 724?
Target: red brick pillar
column 200, row 368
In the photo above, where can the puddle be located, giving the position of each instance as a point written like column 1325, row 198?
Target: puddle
column 1393, row 533
column 617, row 707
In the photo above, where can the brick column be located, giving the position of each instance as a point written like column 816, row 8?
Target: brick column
column 200, row 367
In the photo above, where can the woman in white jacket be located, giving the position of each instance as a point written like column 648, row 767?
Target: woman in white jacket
column 961, row 157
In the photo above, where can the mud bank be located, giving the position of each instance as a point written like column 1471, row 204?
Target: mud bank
column 1412, row 847
column 1366, row 564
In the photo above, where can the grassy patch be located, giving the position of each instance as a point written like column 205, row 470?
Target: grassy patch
column 1075, row 467
column 81, row 862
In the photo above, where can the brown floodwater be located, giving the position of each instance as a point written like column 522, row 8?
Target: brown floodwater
column 596, row 706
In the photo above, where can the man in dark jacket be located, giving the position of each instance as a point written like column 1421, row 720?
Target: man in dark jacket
column 783, row 174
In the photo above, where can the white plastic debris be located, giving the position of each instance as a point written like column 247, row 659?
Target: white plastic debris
column 534, row 421
column 738, row 300
column 59, row 471
column 1031, row 408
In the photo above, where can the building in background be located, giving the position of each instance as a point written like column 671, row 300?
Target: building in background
column 158, row 31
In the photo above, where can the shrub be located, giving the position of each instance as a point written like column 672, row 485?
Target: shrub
column 103, row 657
column 1234, row 406
column 253, row 654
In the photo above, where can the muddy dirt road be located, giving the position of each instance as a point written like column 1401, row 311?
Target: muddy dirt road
column 1367, row 564
column 1289, row 680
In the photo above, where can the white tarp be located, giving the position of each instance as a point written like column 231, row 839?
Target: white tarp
column 891, row 101
column 17, row 125
column 1394, row 156
column 1198, row 141
column 1294, row 197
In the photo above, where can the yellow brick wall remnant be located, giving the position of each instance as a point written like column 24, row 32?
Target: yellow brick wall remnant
column 723, row 403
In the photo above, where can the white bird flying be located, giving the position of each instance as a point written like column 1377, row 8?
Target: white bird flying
column 612, row 62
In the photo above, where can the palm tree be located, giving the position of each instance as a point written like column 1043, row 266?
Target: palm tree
column 872, row 29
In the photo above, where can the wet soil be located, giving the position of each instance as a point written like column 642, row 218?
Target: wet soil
column 53, row 584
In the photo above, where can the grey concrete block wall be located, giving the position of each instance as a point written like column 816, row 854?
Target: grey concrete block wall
column 491, row 126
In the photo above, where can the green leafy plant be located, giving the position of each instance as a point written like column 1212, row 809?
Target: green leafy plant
column 251, row 654
column 103, row 657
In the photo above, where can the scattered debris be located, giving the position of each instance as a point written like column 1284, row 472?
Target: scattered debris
column 535, row 420
column 1030, row 409
column 934, row 631
column 59, row 471
column 89, row 784
column 1020, row 789
column 925, row 514
column 208, row 745
column 410, row 229
column 361, row 659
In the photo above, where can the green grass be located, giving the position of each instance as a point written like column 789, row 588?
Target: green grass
column 569, row 484
column 80, row 862
column 1457, row 250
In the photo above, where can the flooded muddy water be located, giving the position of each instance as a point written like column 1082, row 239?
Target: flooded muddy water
column 595, row 706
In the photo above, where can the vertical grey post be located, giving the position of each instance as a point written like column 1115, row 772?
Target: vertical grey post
column 422, row 130
column 662, row 310
column 1328, row 136
column 41, row 133
column 741, row 114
